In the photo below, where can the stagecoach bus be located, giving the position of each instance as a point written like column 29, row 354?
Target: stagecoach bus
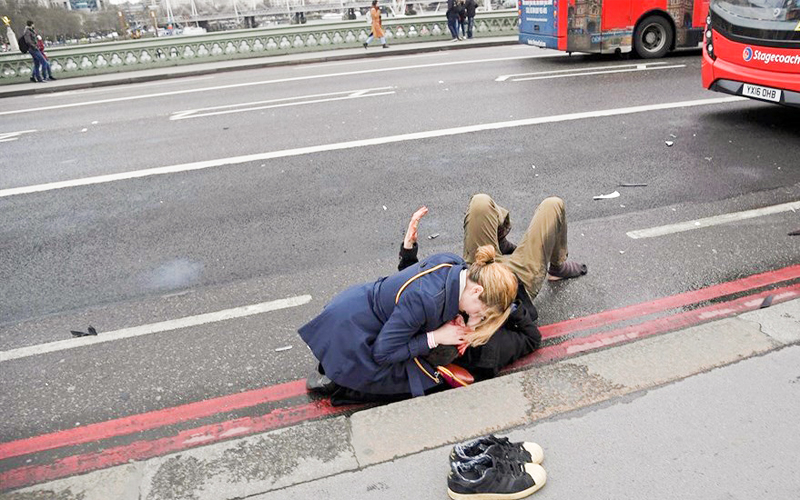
column 752, row 48
column 650, row 27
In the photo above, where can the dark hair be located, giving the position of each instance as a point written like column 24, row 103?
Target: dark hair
column 30, row 23
column 374, row 3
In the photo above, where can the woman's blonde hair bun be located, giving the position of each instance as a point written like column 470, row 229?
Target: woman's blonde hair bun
column 485, row 255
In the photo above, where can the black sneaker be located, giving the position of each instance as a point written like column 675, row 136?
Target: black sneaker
column 498, row 448
column 489, row 478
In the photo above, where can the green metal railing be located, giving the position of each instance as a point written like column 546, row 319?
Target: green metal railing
column 134, row 55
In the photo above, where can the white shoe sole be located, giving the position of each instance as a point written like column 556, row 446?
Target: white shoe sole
column 536, row 471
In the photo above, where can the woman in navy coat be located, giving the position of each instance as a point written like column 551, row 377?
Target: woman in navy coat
column 371, row 337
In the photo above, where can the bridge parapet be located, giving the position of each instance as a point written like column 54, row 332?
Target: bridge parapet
column 135, row 55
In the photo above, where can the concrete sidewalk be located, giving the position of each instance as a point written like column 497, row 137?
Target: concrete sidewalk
column 123, row 78
column 616, row 423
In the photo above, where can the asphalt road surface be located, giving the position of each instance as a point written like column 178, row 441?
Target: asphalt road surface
column 296, row 182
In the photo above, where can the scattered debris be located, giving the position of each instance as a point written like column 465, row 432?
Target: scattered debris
column 433, row 236
column 632, row 185
column 767, row 302
column 84, row 130
column 673, row 136
column 615, row 194
column 794, row 233
column 622, row 206
column 622, row 251
column 669, row 143
column 533, row 167
column 284, row 348
column 91, row 329
column 384, row 207
column 95, row 122
column 709, row 158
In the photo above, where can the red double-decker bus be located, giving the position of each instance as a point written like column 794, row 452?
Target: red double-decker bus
column 650, row 27
column 752, row 49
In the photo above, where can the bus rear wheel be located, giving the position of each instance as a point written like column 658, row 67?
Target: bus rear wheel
column 653, row 37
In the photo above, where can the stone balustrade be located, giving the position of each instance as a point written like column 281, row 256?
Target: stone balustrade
column 134, row 55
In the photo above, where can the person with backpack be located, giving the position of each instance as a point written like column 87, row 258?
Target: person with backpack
column 29, row 44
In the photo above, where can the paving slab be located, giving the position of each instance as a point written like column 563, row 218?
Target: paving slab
column 781, row 321
column 385, row 432
column 253, row 464
column 119, row 483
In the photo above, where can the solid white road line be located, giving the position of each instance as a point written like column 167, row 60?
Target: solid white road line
column 588, row 73
column 118, row 88
column 164, row 326
column 269, row 82
column 277, row 103
column 713, row 221
column 503, row 78
column 235, row 160
column 597, row 73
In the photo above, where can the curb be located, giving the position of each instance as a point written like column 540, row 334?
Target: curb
column 278, row 459
column 258, row 63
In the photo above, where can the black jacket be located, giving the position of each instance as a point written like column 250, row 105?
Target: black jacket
column 517, row 338
column 471, row 5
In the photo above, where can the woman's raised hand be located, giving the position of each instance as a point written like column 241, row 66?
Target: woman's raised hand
column 413, row 225
column 451, row 333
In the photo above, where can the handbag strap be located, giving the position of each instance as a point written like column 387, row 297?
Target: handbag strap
column 435, row 376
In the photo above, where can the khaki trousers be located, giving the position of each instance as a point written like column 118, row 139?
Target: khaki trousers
column 544, row 242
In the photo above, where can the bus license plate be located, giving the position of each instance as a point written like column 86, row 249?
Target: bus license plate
column 765, row 93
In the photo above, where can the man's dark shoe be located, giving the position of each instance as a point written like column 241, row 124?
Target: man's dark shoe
column 488, row 478
column 316, row 382
column 568, row 269
column 33, row 79
column 52, row 78
column 499, row 448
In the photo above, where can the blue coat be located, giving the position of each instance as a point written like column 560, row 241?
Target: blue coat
column 369, row 340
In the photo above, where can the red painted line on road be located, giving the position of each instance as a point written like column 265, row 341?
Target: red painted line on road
column 191, row 411
column 671, row 302
column 151, row 420
column 283, row 417
column 142, row 450
column 660, row 325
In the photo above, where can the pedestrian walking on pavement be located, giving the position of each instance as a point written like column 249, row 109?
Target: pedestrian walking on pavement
column 372, row 338
column 29, row 35
column 471, row 6
column 377, row 26
column 452, row 19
